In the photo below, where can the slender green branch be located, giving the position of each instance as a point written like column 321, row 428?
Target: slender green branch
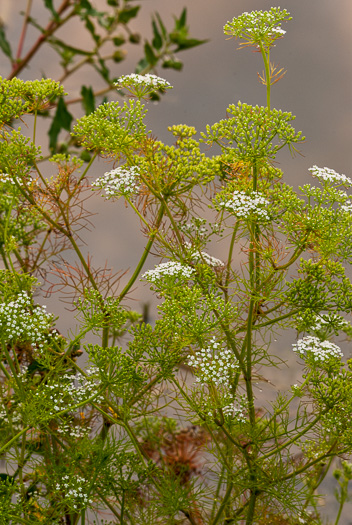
column 14, row 439
column 223, row 504
column 145, row 254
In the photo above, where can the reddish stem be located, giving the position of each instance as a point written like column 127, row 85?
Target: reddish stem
column 50, row 29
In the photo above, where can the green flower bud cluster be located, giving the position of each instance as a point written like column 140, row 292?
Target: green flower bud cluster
column 258, row 28
column 18, row 98
column 251, row 131
column 113, row 129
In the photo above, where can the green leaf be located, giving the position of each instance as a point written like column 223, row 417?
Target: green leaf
column 85, row 4
column 181, row 22
column 88, row 101
column 74, row 50
column 90, row 27
column 157, row 40
column 187, row 43
column 103, row 70
column 4, row 45
column 126, row 14
column 61, row 120
column 149, row 54
column 161, row 25
column 172, row 64
column 142, row 65
column 49, row 5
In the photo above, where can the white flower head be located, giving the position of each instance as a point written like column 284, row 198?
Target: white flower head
column 203, row 257
column 319, row 351
column 213, row 364
column 169, row 269
column 142, row 86
column 5, row 177
column 119, row 182
column 245, row 206
column 329, row 175
column 257, row 27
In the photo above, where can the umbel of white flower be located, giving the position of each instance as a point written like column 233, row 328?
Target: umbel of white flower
column 246, row 206
column 142, row 86
column 258, row 27
column 330, row 176
column 169, row 269
column 203, row 257
column 213, row 364
column 20, row 321
column 119, row 182
column 319, row 351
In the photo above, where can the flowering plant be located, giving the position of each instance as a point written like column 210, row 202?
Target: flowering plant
column 167, row 424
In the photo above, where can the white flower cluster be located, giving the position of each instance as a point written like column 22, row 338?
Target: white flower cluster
column 347, row 207
column 213, row 364
column 235, row 412
column 204, row 257
column 329, row 175
column 198, row 226
column 321, row 351
column 120, row 181
column 72, row 390
column 145, row 81
column 5, row 177
column 278, row 30
column 73, row 430
column 257, row 24
column 168, row 269
column 74, row 490
column 323, row 323
column 20, row 321
column 245, row 206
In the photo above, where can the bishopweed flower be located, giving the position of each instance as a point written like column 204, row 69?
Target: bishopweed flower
column 246, row 206
column 119, row 182
column 329, row 175
column 142, row 86
column 203, row 257
column 314, row 348
column 20, row 321
column 213, row 364
column 169, row 269
column 258, row 27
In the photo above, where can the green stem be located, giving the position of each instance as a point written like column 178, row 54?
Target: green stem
column 12, row 440
column 223, row 504
column 145, row 253
column 94, row 156
column 251, row 507
column 229, row 260
column 266, row 60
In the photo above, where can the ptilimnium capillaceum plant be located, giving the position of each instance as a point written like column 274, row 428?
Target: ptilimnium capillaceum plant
column 101, row 438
